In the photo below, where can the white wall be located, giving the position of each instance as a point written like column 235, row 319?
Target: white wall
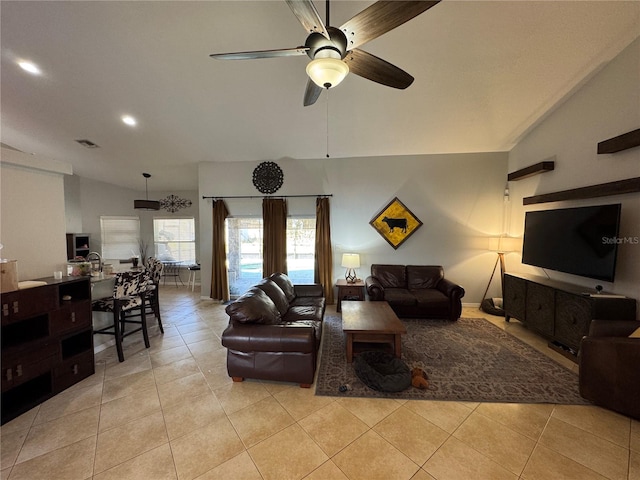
column 92, row 199
column 608, row 105
column 458, row 198
column 32, row 221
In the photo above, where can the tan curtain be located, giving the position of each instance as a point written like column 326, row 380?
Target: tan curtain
column 274, row 249
column 324, row 257
column 219, row 278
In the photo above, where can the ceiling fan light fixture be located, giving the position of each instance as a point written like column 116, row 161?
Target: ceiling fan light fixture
column 327, row 72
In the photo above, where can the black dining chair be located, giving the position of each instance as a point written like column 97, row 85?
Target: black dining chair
column 129, row 293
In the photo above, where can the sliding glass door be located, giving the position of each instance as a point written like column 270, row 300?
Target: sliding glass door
column 244, row 251
column 301, row 247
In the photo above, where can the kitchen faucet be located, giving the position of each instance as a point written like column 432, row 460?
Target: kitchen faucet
column 89, row 257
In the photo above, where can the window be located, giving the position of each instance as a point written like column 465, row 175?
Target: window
column 244, row 251
column 175, row 239
column 301, row 247
column 120, row 237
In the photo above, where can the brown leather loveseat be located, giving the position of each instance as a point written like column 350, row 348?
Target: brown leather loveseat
column 415, row 291
column 274, row 331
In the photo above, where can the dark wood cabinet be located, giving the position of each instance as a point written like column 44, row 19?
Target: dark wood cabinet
column 559, row 311
column 539, row 308
column 47, row 342
column 77, row 245
column 515, row 296
column 349, row 291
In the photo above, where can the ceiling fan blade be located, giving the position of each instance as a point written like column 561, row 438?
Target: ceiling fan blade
column 309, row 17
column 283, row 52
column 380, row 18
column 373, row 68
column 312, row 93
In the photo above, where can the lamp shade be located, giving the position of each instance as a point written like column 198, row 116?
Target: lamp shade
column 146, row 204
column 351, row 260
column 327, row 72
column 504, row 244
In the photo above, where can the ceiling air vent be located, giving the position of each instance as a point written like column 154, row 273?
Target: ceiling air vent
column 87, row 143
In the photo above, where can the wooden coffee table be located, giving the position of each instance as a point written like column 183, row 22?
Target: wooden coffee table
column 371, row 322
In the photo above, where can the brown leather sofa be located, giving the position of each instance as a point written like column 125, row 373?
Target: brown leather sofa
column 274, row 331
column 415, row 291
column 608, row 360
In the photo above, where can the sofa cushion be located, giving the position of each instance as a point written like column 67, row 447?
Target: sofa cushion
column 284, row 282
column 390, row 276
column 317, row 302
column 431, row 297
column 303, row 313
column 275, row 293
column 399, row 296
column 254, row 306
column 423, row 276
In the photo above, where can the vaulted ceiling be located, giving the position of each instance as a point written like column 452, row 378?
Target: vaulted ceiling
column 485, row 73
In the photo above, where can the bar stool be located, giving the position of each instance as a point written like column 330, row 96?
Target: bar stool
column 154, row 268
column 193, row 269
column 129, row 292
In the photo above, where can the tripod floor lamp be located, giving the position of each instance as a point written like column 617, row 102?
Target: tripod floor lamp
column 501, row 245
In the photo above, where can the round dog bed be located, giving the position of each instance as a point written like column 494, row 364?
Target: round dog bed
column 489, row 306
column 382, row 371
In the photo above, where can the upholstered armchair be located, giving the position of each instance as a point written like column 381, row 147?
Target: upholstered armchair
column 609, row 366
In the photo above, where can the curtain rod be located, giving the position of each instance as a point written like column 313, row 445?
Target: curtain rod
column 270, row 196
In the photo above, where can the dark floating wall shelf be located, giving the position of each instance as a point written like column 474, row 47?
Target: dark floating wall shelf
column 631, row 185
column 531, row 170
column 621, row 142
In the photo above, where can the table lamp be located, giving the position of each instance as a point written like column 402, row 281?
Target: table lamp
column 350, row 261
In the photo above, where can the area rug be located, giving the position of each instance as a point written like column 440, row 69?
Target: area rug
column 468, row 360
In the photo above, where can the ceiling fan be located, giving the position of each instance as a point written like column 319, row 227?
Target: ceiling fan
column 334, row 51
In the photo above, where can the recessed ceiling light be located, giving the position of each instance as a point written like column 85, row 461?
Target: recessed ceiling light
column 129, row 120
column 30, row 67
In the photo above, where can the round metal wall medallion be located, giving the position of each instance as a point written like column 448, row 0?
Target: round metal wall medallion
column 268, row 177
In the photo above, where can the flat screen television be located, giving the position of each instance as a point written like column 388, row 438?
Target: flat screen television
column 581, row 241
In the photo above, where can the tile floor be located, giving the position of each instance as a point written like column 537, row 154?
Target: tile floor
column 171, row 412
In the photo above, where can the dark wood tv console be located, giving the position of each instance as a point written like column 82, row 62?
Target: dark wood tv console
column 47, row 342
column 560, row 312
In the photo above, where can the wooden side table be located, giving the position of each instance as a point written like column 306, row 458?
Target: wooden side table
column 349, row 291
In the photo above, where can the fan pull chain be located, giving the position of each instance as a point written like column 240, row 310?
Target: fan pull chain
column 327, row 123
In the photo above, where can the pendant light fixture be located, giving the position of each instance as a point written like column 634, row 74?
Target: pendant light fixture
column 146, row 204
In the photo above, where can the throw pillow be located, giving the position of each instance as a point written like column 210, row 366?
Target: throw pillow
column 635, row 333
column 254, row 306
column 284, row 282
column 275, row 293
